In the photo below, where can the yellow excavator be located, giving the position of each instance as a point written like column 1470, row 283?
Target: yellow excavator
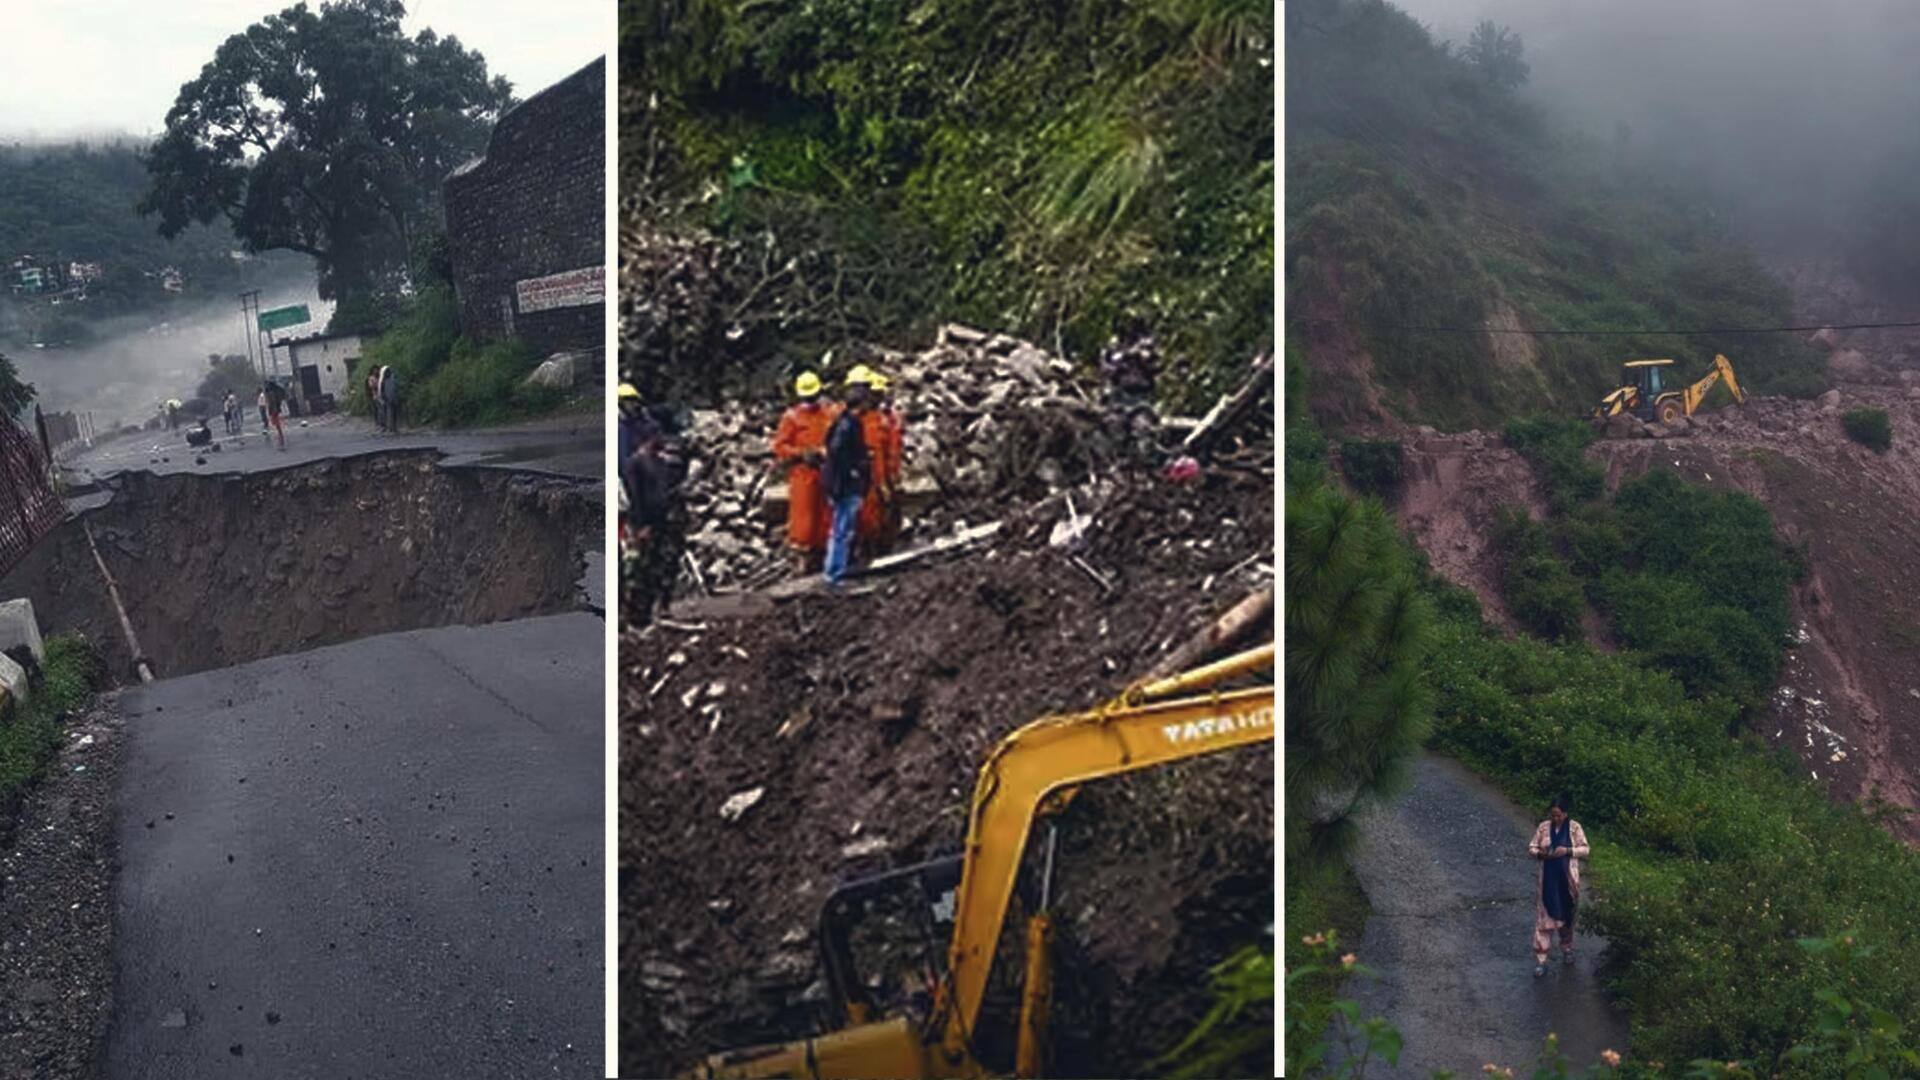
column 1644, row 392
column 1030, row 775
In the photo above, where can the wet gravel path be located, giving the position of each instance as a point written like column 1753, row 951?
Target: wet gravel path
column 1447, row 871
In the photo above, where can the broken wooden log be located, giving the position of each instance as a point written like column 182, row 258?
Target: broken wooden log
column 1255, row 611
column 954, row 542
column 1230, row 406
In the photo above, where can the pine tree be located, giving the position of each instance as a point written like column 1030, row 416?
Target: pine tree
column 1358, row 630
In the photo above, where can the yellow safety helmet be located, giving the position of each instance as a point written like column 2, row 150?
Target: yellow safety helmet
column 878, row 382
column 861, row 375
column 807, row 385
column 627, row 390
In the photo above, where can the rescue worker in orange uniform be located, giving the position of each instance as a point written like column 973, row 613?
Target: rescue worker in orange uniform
column 800, row 446
column 896, row 460
column 877, row 432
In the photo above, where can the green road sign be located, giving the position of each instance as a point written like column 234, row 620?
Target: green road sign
column 282, row 317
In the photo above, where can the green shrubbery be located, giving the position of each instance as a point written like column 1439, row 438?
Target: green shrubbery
column 1540, row 590
column 1711, row 856
column 1703, row 586
column 445, row 379
column 30, row 736
column 1374, row 467
column 1069, row 172
column 1870, row 428
column 1556, row 448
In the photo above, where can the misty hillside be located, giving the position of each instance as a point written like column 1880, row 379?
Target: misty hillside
column 1424, row 190
column 75, row 203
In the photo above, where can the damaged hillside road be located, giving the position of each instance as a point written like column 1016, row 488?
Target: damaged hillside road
column 220, row 570
column 363, row 794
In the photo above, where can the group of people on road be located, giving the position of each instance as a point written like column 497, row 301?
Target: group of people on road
column 383, row 396
column 843, row 462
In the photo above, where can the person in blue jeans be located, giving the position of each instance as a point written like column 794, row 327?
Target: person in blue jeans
column 847, row 471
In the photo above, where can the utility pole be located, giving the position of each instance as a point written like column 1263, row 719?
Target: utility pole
column 249, row 323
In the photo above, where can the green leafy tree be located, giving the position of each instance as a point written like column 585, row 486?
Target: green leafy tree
column 327, row 133
column 1496, row 53
column 15, row 395
column 1358, row 631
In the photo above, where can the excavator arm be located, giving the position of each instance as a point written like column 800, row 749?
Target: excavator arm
column 1027, row 773
column 1133, row 733
column 1722, row 369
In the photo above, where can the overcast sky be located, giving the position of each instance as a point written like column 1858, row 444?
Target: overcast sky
column 102, row 67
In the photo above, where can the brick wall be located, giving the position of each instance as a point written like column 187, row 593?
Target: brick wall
column 534, row 206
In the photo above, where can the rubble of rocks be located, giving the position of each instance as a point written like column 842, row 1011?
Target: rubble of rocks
column 989, row 418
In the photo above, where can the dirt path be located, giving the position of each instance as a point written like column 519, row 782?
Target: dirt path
column 56, row 880
column 1446, row 869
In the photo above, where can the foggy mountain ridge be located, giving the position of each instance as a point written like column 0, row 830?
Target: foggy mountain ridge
column 1799, row 118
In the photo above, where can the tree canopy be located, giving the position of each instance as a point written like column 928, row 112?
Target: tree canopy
column 1496, row 52
column 327, row 133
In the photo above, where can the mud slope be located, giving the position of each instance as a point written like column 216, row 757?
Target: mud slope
column 1849, row 700
column 221, row 570
column 861, row 722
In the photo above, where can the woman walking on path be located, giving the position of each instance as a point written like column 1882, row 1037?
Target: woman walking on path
column 1559, row 843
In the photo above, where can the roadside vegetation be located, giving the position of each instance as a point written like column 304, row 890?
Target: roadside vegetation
column 448, row 380
column 1752, row 919
column 30, row 733
column 1066, row 173
column 1423, row 190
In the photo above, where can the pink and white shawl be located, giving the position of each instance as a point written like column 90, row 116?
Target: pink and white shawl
column 1544, row 925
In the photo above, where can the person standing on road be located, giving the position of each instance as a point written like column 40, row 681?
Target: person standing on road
column 1559, row 843
column 264, row 428
column 848, row 472
column 800, row 446
column 230, row 413
column 390, row 397
column 373, row 398
column 275, row 397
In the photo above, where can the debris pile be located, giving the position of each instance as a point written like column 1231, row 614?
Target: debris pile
column 845, row 738
column 989, row 419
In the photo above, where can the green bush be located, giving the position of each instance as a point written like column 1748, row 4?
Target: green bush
column 1703, row 584
column 1071, row 173
column 1870, row 428
column 1557, row 448
column 1540, row 590
column 1305, row 459
column 447, row 380
column 481, row 384
column 31, row 735
column 1374, row 466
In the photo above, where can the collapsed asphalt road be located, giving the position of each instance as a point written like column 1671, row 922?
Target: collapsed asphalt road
column 377, row 859
column 570, row 445
column 1446, row 869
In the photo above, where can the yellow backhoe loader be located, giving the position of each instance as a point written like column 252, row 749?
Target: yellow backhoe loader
column 1644, row 392
column 1030, row 775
